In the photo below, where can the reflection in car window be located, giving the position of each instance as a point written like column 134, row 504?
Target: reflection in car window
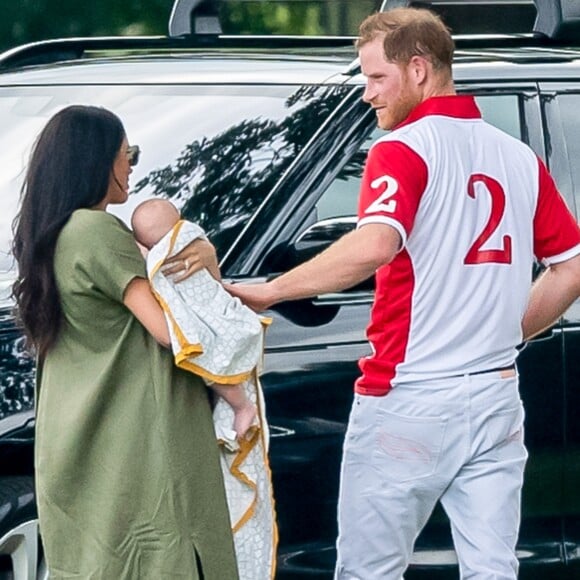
column 569, row 160
column 340, row 199
column 215, row 151
column 502, row 111
column 220, row 178
column 568, row 107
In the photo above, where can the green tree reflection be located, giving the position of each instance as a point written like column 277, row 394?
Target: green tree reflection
column 225, row 178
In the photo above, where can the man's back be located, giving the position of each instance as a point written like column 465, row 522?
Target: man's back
column 452, row 300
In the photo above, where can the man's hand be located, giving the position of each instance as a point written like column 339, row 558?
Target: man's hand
column 258, row 297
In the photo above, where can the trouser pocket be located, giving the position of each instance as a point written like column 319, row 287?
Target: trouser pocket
column 406, row 447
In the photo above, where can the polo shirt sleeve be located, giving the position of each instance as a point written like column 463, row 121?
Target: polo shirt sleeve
column 394, row 179
column 556, row 232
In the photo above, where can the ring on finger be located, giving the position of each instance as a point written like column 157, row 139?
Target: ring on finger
column 186, row 264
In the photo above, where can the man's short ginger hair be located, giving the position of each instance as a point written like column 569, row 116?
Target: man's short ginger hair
column 409, row 32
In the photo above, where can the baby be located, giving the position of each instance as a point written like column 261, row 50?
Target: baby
column 222, row 337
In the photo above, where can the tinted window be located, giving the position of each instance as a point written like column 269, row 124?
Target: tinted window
column 340, row 199
column 502, row 111
column 214, row 151
column 569, row 105
column 564, row 140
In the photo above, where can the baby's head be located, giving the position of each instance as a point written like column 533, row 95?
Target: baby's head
column 152, row 219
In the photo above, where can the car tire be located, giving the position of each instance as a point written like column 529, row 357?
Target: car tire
column 20, row 548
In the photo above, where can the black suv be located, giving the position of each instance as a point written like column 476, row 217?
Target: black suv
column 262, row 140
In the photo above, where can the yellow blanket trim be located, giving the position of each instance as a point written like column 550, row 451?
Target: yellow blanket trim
column 275, row 537
column 174, row 235
column 191, row 349
column 187, row 349
column 185, row 346
column 222, row 379
column 246, row 445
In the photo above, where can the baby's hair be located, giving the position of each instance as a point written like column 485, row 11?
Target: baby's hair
column 152, row 219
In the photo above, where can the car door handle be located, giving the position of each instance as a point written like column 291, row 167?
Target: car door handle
column 546, row 335
column 344, row 298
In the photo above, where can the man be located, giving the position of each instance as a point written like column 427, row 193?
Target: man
column 451, row 214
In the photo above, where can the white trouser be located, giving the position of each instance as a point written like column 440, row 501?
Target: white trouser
column 457, row 440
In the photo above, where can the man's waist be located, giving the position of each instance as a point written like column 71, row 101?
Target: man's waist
column 378, row 382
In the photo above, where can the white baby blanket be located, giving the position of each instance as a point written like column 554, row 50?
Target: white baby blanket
column 215, row 336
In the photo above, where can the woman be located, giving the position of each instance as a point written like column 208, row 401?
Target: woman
column 128, row 479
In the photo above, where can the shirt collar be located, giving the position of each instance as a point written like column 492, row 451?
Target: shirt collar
column 457, row 106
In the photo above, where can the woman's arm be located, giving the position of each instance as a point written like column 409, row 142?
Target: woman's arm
column 139, row 299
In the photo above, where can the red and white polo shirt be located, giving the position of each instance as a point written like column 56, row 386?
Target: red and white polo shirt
column 473, row 206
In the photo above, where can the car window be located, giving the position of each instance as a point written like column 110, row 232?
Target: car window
column 502, row 111
column 340, row 199
column 215, row 151
column 568, row 105
column 562, row 115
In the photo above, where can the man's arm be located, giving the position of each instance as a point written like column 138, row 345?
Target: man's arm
column 350, row 260
column 551, row 295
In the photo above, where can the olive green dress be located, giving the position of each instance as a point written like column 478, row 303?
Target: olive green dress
column 127, row 471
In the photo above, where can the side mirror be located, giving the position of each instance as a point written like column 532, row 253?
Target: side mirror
column 317, row 237
column 311, row 242
column 320, row 235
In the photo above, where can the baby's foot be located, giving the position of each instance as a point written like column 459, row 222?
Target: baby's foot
column 244, row 418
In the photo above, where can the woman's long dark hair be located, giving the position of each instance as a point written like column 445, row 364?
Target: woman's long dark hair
column 70, row 168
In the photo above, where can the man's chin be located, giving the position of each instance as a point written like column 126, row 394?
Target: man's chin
column 384, row 124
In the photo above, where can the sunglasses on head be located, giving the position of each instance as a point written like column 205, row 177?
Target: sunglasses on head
column 133, row 153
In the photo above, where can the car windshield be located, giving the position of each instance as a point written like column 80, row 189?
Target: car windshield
column 215, row 151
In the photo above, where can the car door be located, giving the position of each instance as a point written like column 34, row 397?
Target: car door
column 560, row 103
column 540, row 366
column 516, row 110
column 313, row 346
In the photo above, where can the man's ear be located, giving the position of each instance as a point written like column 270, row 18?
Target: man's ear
column 419, row 68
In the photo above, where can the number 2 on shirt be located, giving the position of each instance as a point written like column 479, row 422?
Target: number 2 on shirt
column 384, row 201
column 476, row 255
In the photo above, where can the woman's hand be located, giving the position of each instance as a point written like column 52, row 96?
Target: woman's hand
column 196, row 256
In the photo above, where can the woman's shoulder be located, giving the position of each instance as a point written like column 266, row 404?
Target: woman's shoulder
column 90, row 227
column 95, row 217
column 88, row 222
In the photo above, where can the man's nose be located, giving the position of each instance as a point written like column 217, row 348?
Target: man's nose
column 369, row 94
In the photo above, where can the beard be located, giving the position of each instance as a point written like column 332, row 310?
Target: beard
column 398, row 109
